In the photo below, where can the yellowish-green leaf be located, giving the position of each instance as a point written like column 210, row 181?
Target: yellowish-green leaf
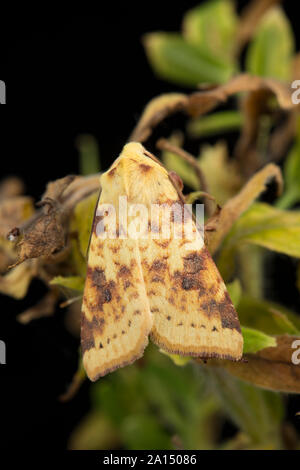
column 16, row 282
column 216, row 166
column 270, row 53
column 257, row 412
column 72, row 282
column 268, row 317
column 175, row 163
column 291, row 173
column 265, row 226
column 216, row 123
column 177, row 61
column 178, row 360
column 255, row 340
column 212, row 26
column 235, row 291
column 89, row 157
column 83, row 220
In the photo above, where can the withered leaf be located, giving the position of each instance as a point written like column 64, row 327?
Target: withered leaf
column 207, row 99
column 204, row 101
column 157, row 110
column 55, row 189
column 250, row 18
column 271, row 368
column 44, row 308
column 43, row 237
column 231, row 211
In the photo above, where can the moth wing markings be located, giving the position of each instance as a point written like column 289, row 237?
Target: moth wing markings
column 116, row 318
column 192, row 311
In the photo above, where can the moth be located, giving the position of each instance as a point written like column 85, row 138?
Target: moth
column 140, row 286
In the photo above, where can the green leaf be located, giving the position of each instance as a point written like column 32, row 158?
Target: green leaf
column 235, row 291
column 212, row 26
column 270, row 53
column 216, row 165
column 264, row 226
column 143, row 431
column 89, row 158
column 94, row 432
column 216, row 123
column 178, row 360
column 156, row 398
column 256, row 412
column 255, row 340
column 71, row 282
column 177, row 61
column 83, row 219
column 175, row 163
column 291, row 173
column 268, row 317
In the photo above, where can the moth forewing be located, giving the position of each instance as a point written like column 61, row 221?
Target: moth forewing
column 116, row 318
column 136, row 285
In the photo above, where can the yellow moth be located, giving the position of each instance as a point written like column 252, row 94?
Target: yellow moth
column 152, row 285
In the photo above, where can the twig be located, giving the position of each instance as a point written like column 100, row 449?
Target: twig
column 164, row 144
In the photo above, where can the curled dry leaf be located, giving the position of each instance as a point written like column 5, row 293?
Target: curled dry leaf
column 207, row 99
column 44, row 236
column 204, row 101
column 55, row 189
column 224, row 220
column 270, row 368
column 157, row 110
column 250, row 18
column 45, row 233
column 44, row 308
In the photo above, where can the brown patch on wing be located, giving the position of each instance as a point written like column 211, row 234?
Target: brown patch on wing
column 228, row 314
column 193, row 314
column 144, row 167
column 111, row 173
column 194, row 262
column 88, row 330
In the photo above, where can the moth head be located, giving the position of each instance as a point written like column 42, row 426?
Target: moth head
column 137, row 174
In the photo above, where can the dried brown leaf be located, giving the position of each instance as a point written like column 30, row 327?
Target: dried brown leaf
column 44, row 308
column 207, row 99
column 270, row 368
column 231, row 211
column 157, row 110
column 55, row 189
column 43, row 237
column 249, row 19
column 204, row 101
column 45, row 233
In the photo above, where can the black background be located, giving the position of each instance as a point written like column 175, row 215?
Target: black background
column 68, row 74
